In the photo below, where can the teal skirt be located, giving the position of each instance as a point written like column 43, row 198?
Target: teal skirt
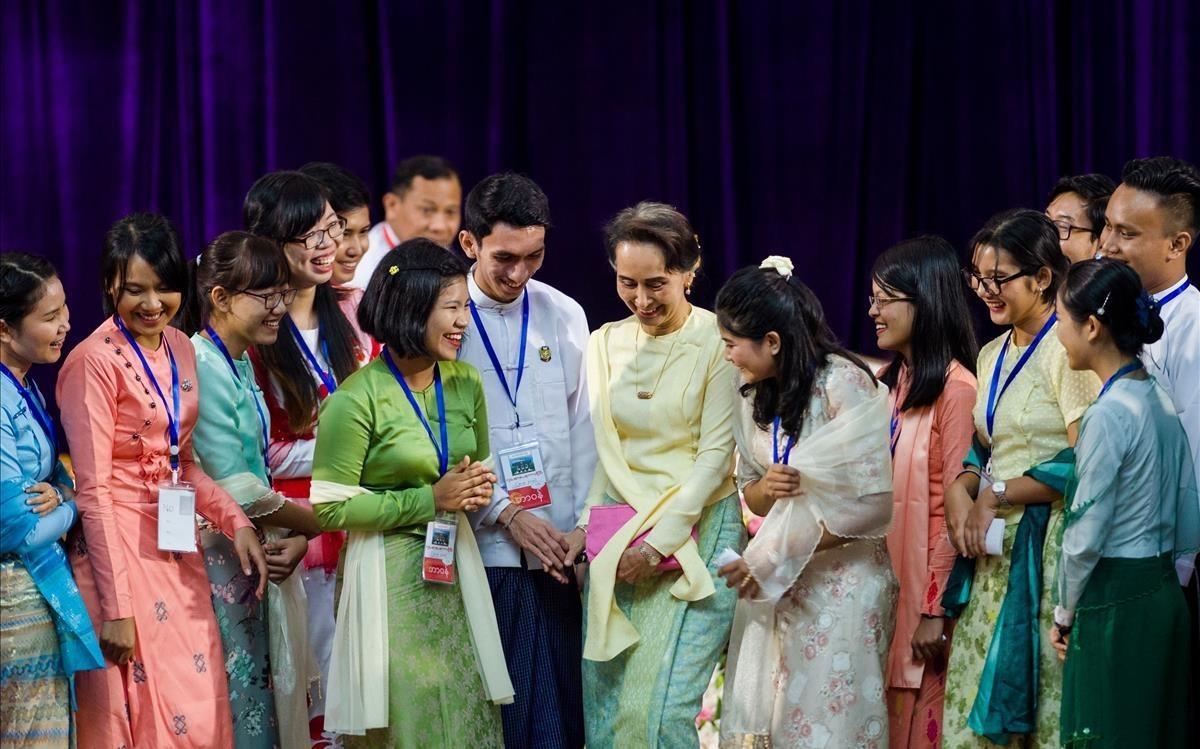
column 1125, row 681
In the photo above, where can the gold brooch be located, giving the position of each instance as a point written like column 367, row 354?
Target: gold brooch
column 544, row 353
column 393, row 270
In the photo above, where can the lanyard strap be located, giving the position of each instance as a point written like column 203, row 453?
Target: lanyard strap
column 787, row 447
column 172, row 413
column 1132, row 366
column 993, row 395
column 1167, row 299
column 894, row 427
column 389, row 236
column 491, row 351
column 326, row 377
column 443, row 451
column 237, row 377
column 37, row 407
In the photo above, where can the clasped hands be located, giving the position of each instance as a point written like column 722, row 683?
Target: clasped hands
column 967, row 520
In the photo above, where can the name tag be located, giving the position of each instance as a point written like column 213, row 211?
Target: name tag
column 176, row 517
column 438, row 564
column 524, row 476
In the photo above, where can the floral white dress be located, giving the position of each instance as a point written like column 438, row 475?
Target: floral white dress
column 833, row 625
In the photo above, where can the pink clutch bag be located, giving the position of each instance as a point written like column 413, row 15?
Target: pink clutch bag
column 605, row 520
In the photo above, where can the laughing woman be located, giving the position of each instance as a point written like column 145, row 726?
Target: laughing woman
column 241, row 294
column 129, row 401
column 416, row 662
column 45, row 633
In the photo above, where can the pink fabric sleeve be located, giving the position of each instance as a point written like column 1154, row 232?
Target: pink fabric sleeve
column 955, row 426
column 88, row 394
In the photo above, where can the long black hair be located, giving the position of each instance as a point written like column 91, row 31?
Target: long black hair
column 926, row 271
column 235, row 261
column 756, row 301
column 1112, row 291
column 281, row 206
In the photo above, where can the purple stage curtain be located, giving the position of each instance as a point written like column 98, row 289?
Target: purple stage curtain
column 825, row 131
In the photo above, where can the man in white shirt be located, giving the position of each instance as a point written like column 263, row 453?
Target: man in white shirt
column 528, row 341
column 1152, row 219
column 425, row 200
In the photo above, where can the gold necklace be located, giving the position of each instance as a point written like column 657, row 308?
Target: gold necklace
column 648, row 394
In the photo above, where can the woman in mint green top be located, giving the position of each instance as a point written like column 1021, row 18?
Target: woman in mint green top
column 396, row 451
column 241, row 289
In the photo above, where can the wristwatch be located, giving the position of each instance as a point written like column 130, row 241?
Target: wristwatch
column 650, row 554
column 998, row 489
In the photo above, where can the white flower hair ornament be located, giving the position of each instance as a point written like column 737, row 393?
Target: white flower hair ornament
column 778, row 263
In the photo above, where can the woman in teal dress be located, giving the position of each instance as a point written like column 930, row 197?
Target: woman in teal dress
column 1121, row 621
column 241, row 290
column 45, row 632
column 662, row 400
column 416, row 660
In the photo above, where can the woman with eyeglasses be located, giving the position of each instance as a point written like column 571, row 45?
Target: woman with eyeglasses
column 1026, row 417
column 241, row 290
column 920, row 311
column 46, row 635
column 319, row 345
column 129, row 401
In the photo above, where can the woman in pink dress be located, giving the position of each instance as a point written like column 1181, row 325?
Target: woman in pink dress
column 129, row 402
column 919, row 305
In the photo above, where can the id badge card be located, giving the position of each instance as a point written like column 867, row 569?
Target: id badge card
column 524, row 476
column 176, row 517
column 437, row 566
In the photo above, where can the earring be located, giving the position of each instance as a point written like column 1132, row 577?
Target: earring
column 687, row 290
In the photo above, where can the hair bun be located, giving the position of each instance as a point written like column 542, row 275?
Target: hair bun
column 1149, row 319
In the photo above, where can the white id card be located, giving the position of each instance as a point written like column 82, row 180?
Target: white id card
column 176, row 517
column 993, row 542
column 438, row 563
column 524, row 476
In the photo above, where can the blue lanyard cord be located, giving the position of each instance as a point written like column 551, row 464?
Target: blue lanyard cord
column 237, row 377
column 326, row 377
column 491, row 351
column 172, row 412
column 787, row 447
column 443, row 451
column 1167, row 299
column 994, row 396
column 1131, row 367
column 894, row 427
column 37, row 407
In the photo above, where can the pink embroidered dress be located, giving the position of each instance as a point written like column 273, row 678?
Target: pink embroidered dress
column 173, row 692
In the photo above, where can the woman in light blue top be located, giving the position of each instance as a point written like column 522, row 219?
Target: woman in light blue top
column 241, row 285
column 45, row 633
column 1121, row 622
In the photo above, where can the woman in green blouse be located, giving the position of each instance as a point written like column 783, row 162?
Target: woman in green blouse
column 416, row 662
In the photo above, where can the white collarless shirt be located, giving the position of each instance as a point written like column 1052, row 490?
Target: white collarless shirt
column 552, row 406
column 380, row 241
column 1175, row 359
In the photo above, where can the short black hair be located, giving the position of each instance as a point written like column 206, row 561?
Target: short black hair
column 283, row 205
column 660, row 225
column 424, row 166
column 1175, row 183
column 505, row 198
column 1031, row 239
column 1093, row 189
column 1112, row 291
column 152, row 237
column 23, row 280
column 400, row 296
column 346, row 191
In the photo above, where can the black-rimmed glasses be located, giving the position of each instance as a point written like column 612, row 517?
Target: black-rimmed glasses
column 991, row 284
column 314, row 240
column 271, row 299
column 1066, row 227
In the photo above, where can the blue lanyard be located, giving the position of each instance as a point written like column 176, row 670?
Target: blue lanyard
column 443, row 452
column 237, row 377
column 1167, row 299
column 1132, row 366
column 994, row 396
column 491, row 352
column 172, row 413
column 894, row 427
column 787, row 447
column 37, row 407
column 326, row 377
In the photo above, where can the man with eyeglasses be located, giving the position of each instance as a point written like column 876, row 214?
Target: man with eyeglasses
column 425, row 200
column 1151, row 222
column 1076, row 206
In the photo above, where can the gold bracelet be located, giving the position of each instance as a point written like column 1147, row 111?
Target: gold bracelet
column 650, row 554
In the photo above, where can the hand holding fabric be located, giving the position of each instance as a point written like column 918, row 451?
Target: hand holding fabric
column 978, row 520
column 283, row 556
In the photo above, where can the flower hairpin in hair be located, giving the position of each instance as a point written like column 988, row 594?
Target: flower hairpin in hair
column 393, row 270
column 1103, row 305
column 778, row 263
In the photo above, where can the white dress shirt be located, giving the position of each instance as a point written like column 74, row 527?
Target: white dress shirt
column 380, row 240
column 1174, row 360
column 552, row 404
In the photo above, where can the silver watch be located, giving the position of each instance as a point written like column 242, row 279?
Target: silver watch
column 998, row 488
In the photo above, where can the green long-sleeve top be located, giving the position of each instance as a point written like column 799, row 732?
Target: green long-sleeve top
column 369, row 436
